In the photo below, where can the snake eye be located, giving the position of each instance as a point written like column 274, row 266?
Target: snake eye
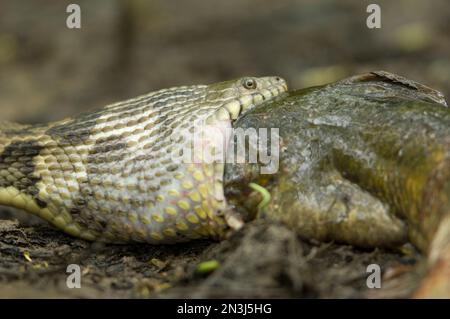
column 249, row 84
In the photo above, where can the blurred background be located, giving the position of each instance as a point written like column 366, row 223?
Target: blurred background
column 126, row 48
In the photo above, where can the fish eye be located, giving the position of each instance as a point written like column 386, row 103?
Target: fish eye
column 249, row 83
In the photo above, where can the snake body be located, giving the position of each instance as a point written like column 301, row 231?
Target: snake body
column 110, row 175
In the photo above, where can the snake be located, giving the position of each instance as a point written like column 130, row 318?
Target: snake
column 118, row 174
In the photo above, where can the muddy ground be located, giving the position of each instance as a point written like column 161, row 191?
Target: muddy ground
column 126, row 48
column 262, row 261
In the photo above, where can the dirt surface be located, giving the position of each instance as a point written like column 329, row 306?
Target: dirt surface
column 261, row 261
column 131, row 47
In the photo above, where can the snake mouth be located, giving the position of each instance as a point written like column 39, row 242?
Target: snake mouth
column 231, row 110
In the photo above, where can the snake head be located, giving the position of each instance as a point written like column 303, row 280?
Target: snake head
column 238, row 96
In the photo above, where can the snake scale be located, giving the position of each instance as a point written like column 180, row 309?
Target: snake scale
column 109, row 175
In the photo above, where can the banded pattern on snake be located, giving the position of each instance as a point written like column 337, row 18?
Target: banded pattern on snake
column 110, row 175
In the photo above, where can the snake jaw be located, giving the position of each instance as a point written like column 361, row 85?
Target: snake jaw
column 234, row 108
column 223, row 114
